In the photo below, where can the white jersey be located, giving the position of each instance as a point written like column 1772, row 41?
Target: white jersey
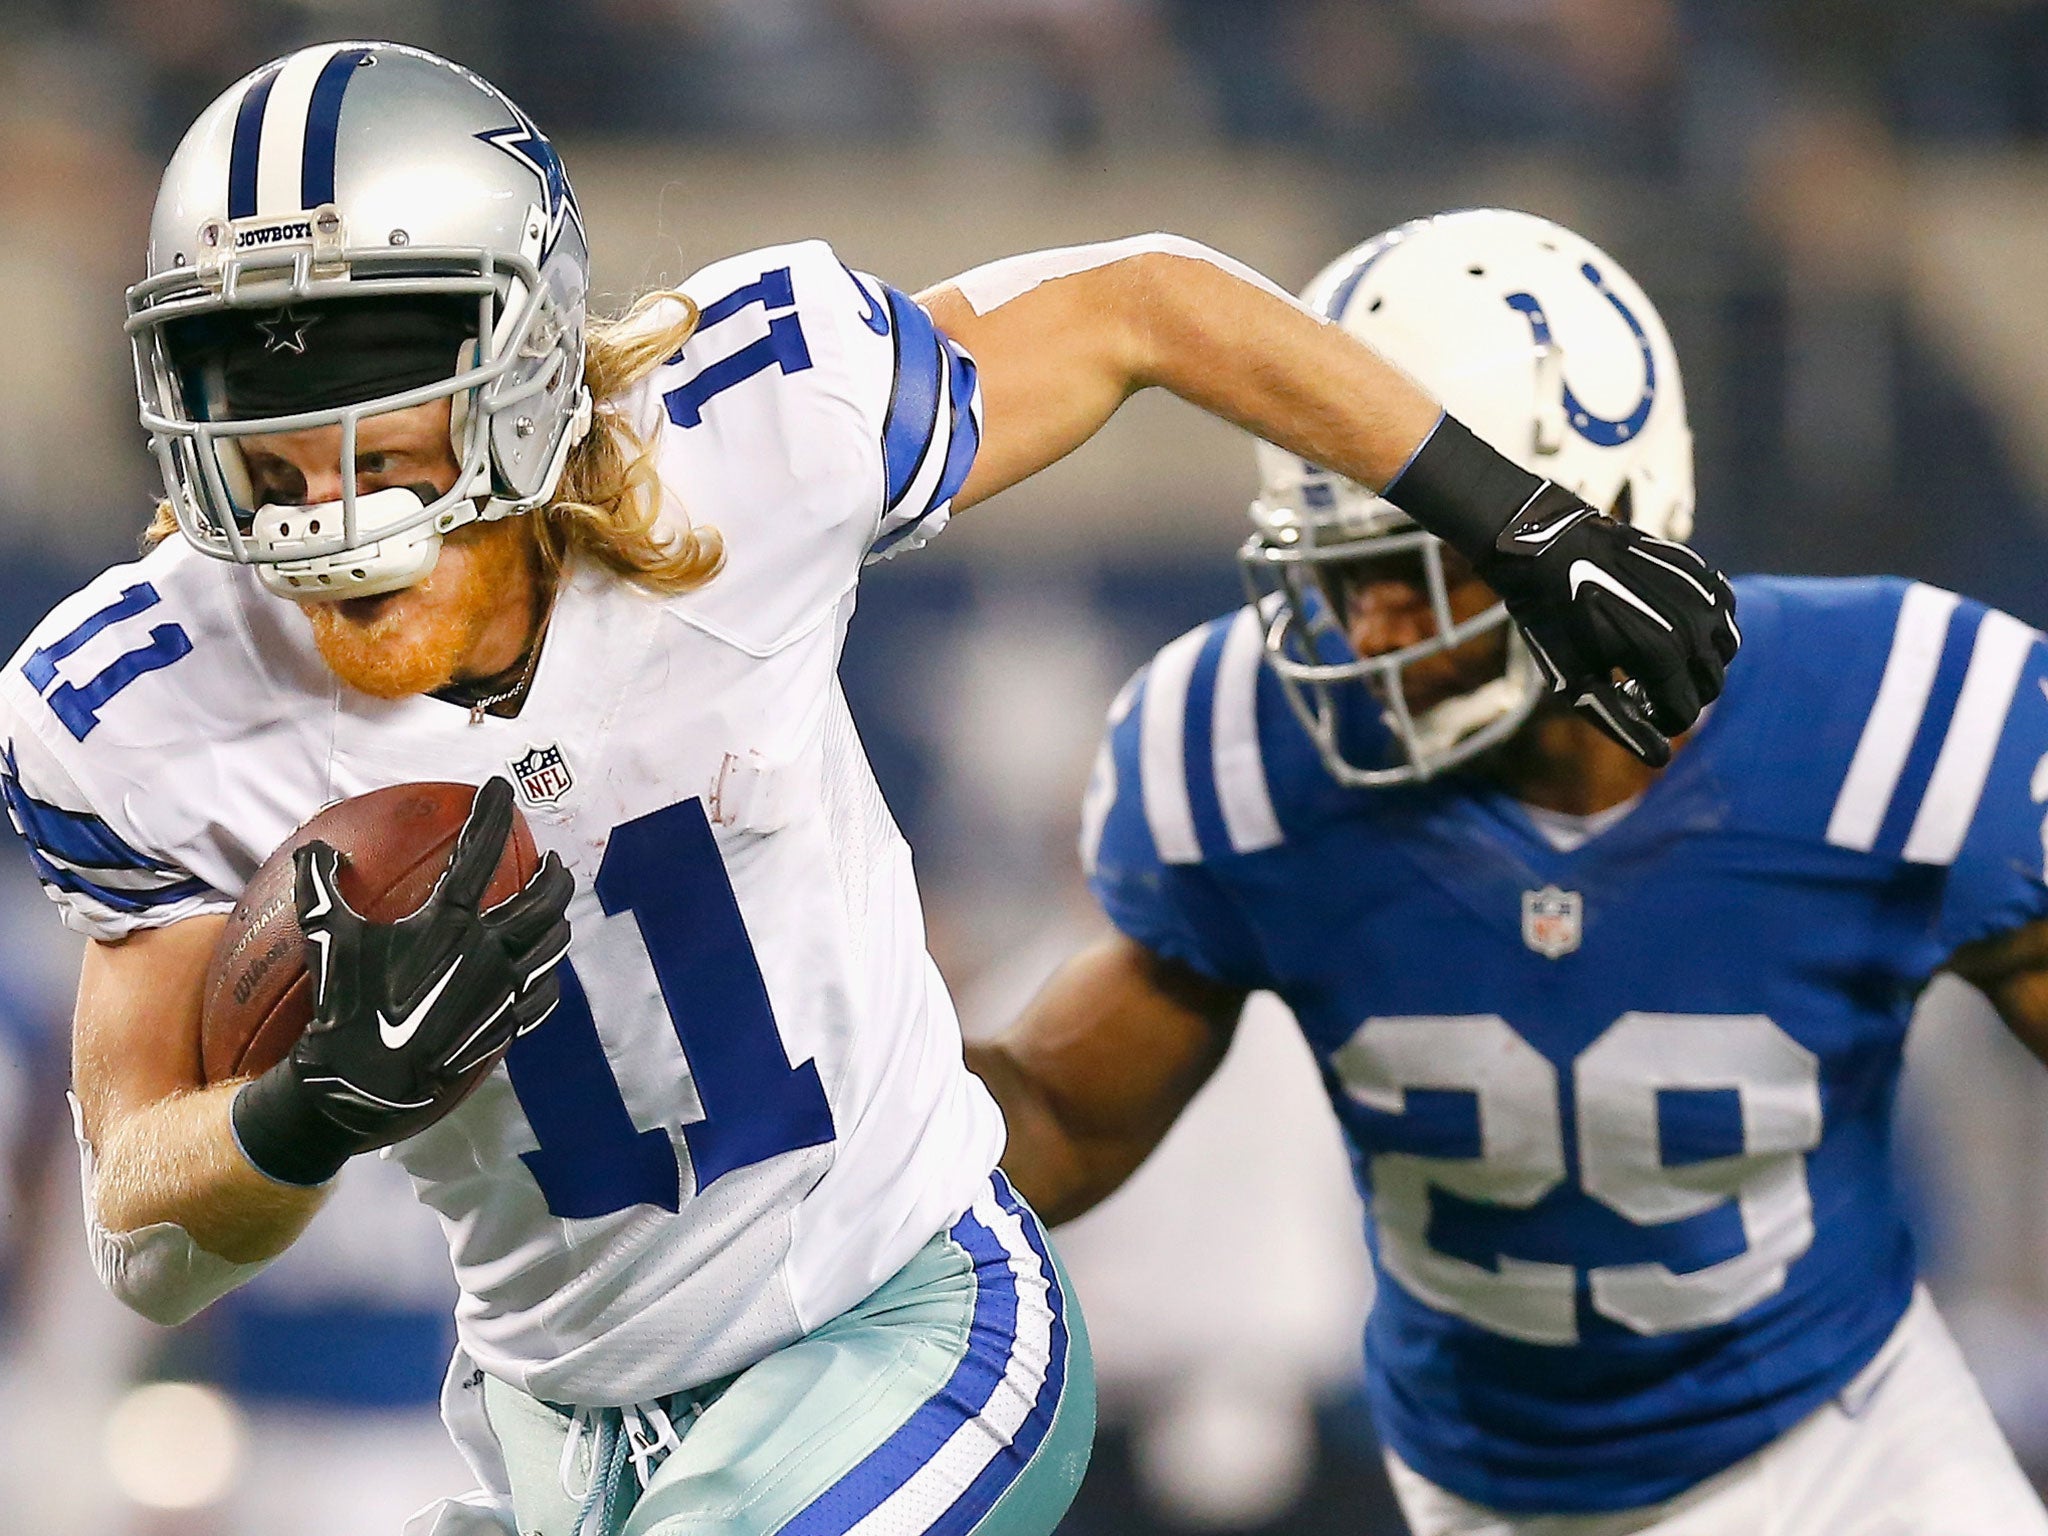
column 750, row 1109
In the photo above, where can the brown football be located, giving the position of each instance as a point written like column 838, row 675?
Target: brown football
column 394, row 843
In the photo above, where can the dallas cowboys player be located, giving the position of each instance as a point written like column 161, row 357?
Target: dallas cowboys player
column 731, row 1248
column 1614, row 1048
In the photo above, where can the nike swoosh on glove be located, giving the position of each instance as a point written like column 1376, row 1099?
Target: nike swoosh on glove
column 405, row 1013
column 1594, row 596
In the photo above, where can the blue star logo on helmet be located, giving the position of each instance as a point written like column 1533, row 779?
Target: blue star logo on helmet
column 527, row 144
column 286, row 332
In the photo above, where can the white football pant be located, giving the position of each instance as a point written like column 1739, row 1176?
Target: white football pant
column 1908, row 1448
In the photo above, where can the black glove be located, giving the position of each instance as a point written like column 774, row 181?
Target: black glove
column 403, row 1012
column 1591, row 595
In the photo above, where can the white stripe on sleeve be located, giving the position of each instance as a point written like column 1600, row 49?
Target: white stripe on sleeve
column 1162, row 750
column 282, row 149
column 1894, row 721
column 1240, row 767
column 1950, row 803
column 917, row 496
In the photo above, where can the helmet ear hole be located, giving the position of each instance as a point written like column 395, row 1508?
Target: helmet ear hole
column 1624, row 508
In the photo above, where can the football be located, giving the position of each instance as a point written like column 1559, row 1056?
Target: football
column 395, row 843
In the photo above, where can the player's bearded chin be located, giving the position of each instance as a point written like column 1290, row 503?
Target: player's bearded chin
column 415, row 640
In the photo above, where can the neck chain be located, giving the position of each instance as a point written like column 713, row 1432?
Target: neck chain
column 528, row 665
column 478, row 708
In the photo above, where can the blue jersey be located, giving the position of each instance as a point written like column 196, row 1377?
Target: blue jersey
column 1620, row 1116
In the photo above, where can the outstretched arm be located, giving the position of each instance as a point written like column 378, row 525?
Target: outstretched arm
column 1062, row 338
column 1060, row 350
column 2012, row 970
column 1099, row 1067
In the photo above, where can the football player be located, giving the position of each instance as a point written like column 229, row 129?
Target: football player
column 731, row 1245
column 1614, row 1047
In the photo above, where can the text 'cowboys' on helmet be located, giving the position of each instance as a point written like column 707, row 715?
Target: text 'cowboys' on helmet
column 354, row 229
column 1540, row 343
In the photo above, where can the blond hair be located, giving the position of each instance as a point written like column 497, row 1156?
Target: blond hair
column 608, row 506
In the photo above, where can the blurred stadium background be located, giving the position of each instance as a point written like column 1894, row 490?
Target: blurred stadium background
column 1841, row 207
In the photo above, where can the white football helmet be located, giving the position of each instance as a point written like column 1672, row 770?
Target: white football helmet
column 339, row 177
column 1541, row 344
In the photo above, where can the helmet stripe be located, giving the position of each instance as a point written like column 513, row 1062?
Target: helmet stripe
column 248, row 136
column 323, row 119
column 1368, row 257
column 284, row 131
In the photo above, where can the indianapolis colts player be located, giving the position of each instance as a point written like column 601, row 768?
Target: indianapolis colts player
column 1614, row 1048
column 731, row 1246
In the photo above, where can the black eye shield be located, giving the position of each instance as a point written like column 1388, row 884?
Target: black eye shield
column 316, row 356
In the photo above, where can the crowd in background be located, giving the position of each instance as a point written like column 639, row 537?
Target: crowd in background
column 1766, row 168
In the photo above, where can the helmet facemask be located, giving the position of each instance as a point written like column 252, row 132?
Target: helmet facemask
column 1541, row 344
column 521, row 373
column 1318, row 535
column 363, row 174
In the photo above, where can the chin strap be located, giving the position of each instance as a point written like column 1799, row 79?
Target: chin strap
column 1439, row 731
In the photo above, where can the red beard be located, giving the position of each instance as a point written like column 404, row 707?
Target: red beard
column 417, row 640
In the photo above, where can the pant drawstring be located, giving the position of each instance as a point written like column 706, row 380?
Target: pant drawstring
column 641, row 1435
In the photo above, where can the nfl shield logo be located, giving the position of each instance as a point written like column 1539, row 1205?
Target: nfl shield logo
column 1552, row 921
column 542, row 776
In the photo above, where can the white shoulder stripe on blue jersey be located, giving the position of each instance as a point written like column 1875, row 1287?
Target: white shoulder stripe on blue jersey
column 1894, row 722
column 1162, row 750
column 1240, row 765
column 1950, row 804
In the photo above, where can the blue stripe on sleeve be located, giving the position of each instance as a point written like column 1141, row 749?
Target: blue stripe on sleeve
column 963, row 441
column 73, row 836
column 913, row 416
column 107, row 896
column 248, row 139
column 966, row 438
column 1942, row 698
column 1198, row 746
column 323, row 123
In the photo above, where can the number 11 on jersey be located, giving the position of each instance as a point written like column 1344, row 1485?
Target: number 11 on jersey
column 665, row 869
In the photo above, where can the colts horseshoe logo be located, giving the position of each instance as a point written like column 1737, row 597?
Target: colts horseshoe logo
column 1599, row 430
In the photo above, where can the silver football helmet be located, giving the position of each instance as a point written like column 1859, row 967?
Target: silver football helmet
column 346, row 175
column 1541, row 344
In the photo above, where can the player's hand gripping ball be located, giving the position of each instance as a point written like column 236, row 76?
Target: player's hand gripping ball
column 418, row 968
